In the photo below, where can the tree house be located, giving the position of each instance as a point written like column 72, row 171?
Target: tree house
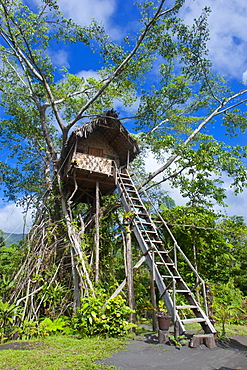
column 94, row 159
column 92, row 154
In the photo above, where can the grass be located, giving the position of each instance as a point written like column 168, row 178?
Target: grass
column 60, row 353
column 231, row 329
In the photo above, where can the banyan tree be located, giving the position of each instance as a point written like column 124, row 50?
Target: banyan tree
column 55, row 259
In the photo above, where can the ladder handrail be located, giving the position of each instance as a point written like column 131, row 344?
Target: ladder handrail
column 177, row 247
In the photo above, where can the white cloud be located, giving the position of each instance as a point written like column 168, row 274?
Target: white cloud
column 83, row 11
column 90, row 73
column 60, row 58
column 12, row 219
column 228, row 37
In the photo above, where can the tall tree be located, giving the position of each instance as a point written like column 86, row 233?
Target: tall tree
column 40, row 110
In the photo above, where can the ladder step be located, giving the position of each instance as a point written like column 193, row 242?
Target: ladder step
column 144, row 223
column 193, row 320
column 126, row 182
column 125, row 178
column 191, row 307
column 143, row 215
column 154, row 242
column 171, row 276
column 180, row 291
column 124, row 175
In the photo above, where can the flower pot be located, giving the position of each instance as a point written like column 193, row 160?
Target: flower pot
column 163, row 320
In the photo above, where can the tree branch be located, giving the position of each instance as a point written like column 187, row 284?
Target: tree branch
column 120, row 68
column 175, row 156
column 170, row 177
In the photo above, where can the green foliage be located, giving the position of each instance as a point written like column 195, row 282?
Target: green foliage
column 111, row 247
column 227, row 305
column 6, row 284
column 100, row 316
column 7, row 313
column 216, row 245
column 28, row 329
column 50, row 327
column 10, row 258
column 2, row 241
column 178, row 341
column 53, row 297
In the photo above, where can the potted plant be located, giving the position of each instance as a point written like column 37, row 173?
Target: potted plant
column 163, row 317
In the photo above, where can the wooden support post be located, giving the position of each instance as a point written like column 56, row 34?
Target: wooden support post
column 129, row 272
column 153, row 299
column 176, row 329
column 97, row 211
column 163, row 336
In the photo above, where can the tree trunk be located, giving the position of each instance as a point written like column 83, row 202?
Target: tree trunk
column 75, row 241
column 76, row 303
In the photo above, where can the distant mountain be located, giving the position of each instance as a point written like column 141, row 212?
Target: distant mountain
column 12, row 238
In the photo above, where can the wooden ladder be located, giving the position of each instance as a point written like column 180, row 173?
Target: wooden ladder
column 168, row 279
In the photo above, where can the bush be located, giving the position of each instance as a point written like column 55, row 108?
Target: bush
column 99, row 316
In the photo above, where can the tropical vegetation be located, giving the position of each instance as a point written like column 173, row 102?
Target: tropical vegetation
column 41, row 105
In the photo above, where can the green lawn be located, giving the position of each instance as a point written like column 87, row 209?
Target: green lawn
column 60, row 353
column 231, row 329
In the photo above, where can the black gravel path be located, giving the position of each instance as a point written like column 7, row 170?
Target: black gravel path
column 145, row 353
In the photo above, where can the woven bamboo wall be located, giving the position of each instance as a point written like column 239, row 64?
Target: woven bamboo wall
column 93, row 164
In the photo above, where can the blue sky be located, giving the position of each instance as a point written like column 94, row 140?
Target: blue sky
column 227, row 50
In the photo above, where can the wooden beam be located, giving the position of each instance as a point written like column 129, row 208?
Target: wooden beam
column 97, row 212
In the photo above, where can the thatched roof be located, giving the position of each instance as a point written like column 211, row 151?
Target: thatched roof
column 113, row 131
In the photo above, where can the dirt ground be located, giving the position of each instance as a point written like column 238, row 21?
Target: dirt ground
column 25, row 346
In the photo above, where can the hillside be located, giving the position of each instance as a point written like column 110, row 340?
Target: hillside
column 12, row 238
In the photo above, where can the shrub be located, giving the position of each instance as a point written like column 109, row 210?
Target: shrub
column 7, row 312
column 99, row 316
